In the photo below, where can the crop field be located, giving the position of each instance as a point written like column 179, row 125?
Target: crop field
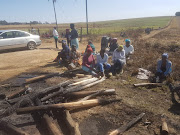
column 103, row 27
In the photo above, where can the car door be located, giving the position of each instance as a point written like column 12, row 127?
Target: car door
column 6, row 40
column 20, row 39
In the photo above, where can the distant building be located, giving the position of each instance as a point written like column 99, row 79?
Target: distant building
column 177, row 13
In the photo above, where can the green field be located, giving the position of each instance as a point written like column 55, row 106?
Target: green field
column 103, row 27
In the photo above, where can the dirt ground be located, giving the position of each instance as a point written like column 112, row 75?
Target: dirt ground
column 99, row 120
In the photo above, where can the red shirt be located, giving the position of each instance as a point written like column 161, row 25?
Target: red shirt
column 87, row 61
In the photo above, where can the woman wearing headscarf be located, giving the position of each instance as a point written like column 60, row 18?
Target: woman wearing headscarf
column 88, row 64
column 74, row 36
column 129, row 49
column 164, row 68
column 119, row 60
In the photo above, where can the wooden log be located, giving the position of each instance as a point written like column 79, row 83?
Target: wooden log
column 83, row 82
column 16, row 93
column 11, row 129
column 81, row 94
column 147, row 84
column 124, row 128
column 83, row 75
column 164, row 127
column 69, row 106
column 73, row 89
column 34, row 79
column 73, row 126
column 5, row 85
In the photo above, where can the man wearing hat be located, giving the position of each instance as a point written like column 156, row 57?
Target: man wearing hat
column 64, row 54
column 74, row 36
column 164, row 68
column 119, row 60
column 129, row 49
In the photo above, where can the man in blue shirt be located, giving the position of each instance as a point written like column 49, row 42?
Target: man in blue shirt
column 64, row 54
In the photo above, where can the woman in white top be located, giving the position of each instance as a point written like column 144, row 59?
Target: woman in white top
column 55, row 35
column 129, row 49
column 119, row 60
column 102, row 63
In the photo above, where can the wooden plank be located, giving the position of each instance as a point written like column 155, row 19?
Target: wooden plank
column 124, row 128
column 11, row 129
column 68, row 106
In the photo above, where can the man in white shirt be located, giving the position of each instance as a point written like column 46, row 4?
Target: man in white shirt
column 55, row 35
column 119, row 60
column 102, row 63
column 129, row 49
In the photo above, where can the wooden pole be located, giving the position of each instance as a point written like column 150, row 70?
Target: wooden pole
column 165, row 130
column 147, row 84
column 122, row 129
column 87, row 17
column 11, row 129
column 68, row 106
column 55, row 14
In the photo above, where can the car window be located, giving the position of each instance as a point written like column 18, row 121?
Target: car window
column 20, row 34
column 7, row 35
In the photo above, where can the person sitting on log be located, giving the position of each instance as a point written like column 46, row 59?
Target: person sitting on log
column 129, row 49
column 113, row 45
column 92, row 46
column 64, row 54
column 88, row 64
column 164, row 68
column 74, row 58
column 102, row 63
column 119, row 60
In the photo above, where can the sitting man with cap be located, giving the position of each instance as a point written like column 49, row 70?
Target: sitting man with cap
column 164, row 68
column 129, row 49
column 88, row 64
column 119, row 60
column 64, row 54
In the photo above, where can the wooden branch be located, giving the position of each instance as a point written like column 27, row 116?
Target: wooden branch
column 83, row 75
column 98, row 93
column 81, row 94
column 34, row 79
column 72, row 89
column 164, row 127
column 147, row 84
column 16, row 93
column 69, row 106
column 128, row 126
column 73, row 126
column 11, row 129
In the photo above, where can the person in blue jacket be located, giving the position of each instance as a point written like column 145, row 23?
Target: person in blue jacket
column 164, row 68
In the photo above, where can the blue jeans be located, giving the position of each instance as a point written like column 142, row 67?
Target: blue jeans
column 117, row 67
column 86, row 69
column 101, row 67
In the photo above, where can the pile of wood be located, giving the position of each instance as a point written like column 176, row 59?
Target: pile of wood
column 51, row 106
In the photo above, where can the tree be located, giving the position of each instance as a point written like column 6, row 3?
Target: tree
column 177, row 13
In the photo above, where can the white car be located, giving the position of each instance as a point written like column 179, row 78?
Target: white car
column 15, row 39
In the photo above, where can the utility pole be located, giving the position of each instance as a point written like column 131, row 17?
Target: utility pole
column 86, row 16
column 55, row 13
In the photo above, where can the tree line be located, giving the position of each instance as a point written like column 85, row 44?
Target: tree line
column 4, row 22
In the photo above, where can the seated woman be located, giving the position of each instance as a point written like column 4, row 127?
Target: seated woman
column 90, row 44
column 74, row 58
column 64, row 54
column 102, row 63
column 164, row 68
column 129, row 49
column 88, row 64
column 113, row 45
column 119, row 60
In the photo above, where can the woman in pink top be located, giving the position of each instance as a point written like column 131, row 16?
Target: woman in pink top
column 88, row 64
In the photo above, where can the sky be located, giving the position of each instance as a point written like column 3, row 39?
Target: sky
column 69, row 11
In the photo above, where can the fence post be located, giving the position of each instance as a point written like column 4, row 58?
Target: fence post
column 81, row 35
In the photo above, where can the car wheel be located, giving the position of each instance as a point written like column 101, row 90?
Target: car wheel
column 31, row 45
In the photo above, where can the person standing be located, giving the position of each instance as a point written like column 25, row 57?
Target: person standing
column 56, row 36
column 68, row 37
column 74, row 36
column 119, row 60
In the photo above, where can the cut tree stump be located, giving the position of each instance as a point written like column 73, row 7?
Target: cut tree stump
column 124, row 128
column 68, row 106
column 11, row 129
column 147, row 84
